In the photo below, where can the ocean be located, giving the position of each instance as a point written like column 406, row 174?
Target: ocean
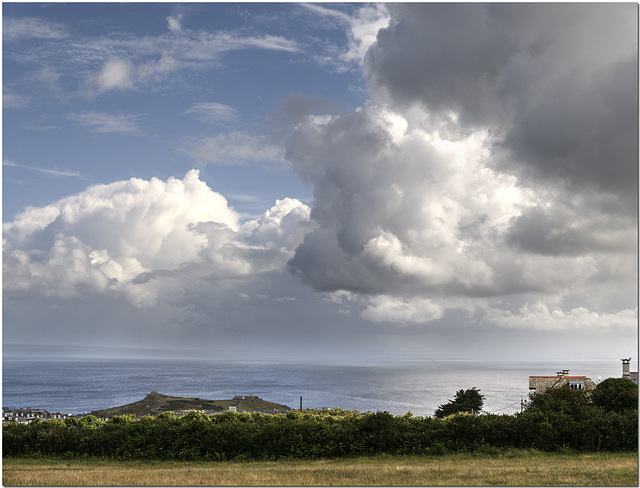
column 80, row 386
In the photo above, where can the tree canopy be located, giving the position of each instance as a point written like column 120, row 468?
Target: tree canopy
column 468, row 401
column 564, row 399
column 616, row 395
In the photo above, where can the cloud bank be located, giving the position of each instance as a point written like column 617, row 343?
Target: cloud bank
column 495, row 158
column 142, row 240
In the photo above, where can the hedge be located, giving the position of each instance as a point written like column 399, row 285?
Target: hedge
column 317, row 434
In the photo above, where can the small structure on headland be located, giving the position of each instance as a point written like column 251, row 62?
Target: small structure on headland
column 539, row 384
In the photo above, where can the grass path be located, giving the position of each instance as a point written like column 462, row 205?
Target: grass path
column 514, row 469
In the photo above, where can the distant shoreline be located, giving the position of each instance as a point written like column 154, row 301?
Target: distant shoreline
column 153, row 404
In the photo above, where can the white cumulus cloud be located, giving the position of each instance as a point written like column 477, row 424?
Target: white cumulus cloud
column 174, row 23
column 385, row 308
column 145, row 240
column 115, row 74
column 400, row 207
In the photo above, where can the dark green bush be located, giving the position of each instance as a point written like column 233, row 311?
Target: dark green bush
column 616, row 395
column 325, row 434
column 465, row 401
column 575, row 403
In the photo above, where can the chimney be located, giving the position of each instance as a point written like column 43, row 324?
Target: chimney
column 625, row 368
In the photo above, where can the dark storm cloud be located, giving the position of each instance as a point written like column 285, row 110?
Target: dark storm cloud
column 320, row 263
column 555, row 83
column 585, row 134
column 537, row 232
column 555, row 233
column 443, row 55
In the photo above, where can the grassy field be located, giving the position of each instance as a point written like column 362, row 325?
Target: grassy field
column 510, row 469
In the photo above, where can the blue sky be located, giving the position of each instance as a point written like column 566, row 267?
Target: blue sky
column 362, row 181
column 223, row 73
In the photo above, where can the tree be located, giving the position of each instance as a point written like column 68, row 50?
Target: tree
column 616, row 395
column 563, row 399
column 469, row 401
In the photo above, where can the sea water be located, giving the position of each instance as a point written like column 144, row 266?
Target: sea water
column 79, row 386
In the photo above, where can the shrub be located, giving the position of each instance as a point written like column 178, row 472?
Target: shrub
column 616, row 395
column 565, row 400
column 465, row 401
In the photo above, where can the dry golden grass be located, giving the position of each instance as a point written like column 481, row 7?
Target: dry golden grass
column 517, row 469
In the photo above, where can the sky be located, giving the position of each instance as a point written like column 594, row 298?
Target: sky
column 344, row 182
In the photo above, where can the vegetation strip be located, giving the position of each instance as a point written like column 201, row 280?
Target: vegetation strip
column 511, row 468
column 563, row 421
column 556, row 420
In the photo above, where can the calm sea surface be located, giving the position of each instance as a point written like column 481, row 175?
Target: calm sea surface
column 420, row 387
